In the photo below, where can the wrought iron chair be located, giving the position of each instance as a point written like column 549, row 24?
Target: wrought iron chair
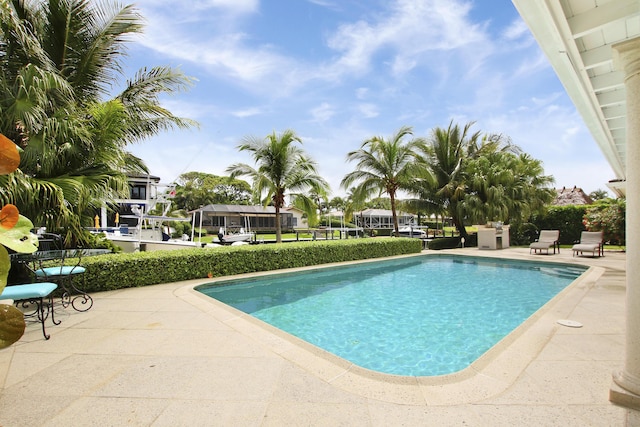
column 50, row 264
column 33, row 296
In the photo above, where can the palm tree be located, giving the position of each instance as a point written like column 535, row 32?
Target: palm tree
column 282, row 169
column 387, row 166
column 446, row 151
column 60, row 60
column 507, row 187
column 353, row 204
column 483, row 177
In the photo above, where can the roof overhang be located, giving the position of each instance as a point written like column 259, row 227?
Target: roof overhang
column 577, row 36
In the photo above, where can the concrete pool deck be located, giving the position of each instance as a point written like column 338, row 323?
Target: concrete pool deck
column 167, row 355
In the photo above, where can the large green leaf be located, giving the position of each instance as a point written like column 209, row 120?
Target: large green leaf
column 11, row 325
column 20, row 238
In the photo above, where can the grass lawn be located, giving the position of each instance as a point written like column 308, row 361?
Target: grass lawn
column 285, row 236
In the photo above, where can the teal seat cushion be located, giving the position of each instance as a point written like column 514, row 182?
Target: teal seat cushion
column 30, row 290
column 65, row 270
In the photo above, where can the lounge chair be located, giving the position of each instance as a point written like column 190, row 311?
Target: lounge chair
column 546, row 240
column 590, row 241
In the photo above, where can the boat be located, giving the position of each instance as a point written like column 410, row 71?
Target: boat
column 145, row 232
column 412, row 231
column 151, row 234
column 229, row 235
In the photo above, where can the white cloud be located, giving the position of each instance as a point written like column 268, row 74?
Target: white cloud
column 408, row 33
column 516, row 30
column 368, row 111
column 247, row 112
column 410, row 30
column 192, row 109
column 323, row 112
column 324, row 3
column 362, row 92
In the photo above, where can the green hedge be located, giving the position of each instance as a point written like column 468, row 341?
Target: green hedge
column 116, row 271
column 446, row 243
column 567, row 219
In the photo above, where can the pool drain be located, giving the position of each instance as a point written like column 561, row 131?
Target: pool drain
column 570, row 323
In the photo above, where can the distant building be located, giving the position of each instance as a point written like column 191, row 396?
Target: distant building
column 571, row 196
column 298, row 220
column 381, row 218
column 143, row 192
column 253, row 218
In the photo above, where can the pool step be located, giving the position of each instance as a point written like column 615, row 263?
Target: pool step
column 564, row 272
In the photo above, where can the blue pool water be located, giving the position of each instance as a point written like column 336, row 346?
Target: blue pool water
column 418, row 316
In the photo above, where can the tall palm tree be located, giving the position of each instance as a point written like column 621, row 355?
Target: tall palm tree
column 446, row 151
column 352, row 204
column 387, row 166
column 60, row 60
column 282, row 169
column 506, row 187
column 481, row 177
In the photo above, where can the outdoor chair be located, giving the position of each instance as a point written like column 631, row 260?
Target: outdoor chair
column 49, row 264
column 590, row 241
column 37, row 296
column 547, row 239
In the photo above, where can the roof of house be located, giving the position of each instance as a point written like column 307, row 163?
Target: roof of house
column 244, row 210
column 571, row 196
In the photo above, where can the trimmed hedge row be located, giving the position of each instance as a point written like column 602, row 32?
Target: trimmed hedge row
column 116, row 271
column 567, row 219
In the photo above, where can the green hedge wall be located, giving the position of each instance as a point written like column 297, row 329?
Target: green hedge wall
column 116, row 271
column 567, row 219
column 445, row 243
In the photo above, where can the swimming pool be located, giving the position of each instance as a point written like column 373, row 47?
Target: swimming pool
column 417, row 316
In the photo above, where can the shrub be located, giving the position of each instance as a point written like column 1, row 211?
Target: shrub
column 522, row 234
column 180, row 228
column 116, row 271
column 447, row 243
column 567, row 219
column 607, row 216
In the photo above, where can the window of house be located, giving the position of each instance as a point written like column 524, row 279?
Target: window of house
column 139, row 192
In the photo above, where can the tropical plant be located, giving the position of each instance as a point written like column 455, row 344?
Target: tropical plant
column 338, row 203
column 387, row 166
column 15, row 234
column 467, row 184
column 608, row 216
column 352, row 204
column 60, row 60
column 282, row 169
column 310, row 210
column 196, row 189
column 502, row 186
column 599, row 194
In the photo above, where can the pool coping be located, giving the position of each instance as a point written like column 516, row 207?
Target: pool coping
column 492, row 373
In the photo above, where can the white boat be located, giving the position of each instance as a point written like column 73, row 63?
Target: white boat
column 148, row 232
column 412, row 231
column 226, row 235
column 154, row 237
column 231, row 233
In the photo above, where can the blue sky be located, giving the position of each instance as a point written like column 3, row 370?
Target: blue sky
column 341, row 71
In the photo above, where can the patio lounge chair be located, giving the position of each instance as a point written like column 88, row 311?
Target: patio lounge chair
column 546, row 240
column 590, row 241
